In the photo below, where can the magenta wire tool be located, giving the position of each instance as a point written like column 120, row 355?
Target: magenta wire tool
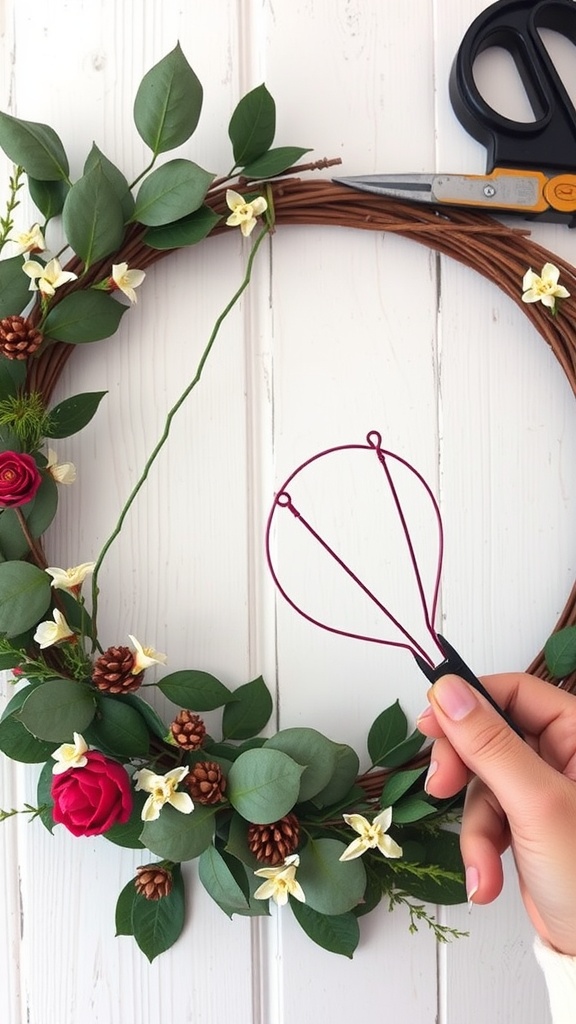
column 451, row 662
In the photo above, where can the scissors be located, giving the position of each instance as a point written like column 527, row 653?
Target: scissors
column 531, row 166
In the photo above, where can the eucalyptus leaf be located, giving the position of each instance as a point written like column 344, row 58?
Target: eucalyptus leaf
column 237, row 842
column 12, row 371
column 386, row 732
column 147, row 712
column 48, row 196
column 315, row 752
column 411, row 808
column 119, row 728
column 560, row 652
column 14, row 290
column 25, row 595
column 338, row 933
column 275, row 161
column 115, row 177
column 399, row 784
column 331, row 886
column 219, row 882
column 186, row 231
column 345, row 771
column 194, row 689
column 33, row 146
column 15, row 739
column 44, row 506
column 403, row 751
column 252, row 126
column 168, row 103
column 57, row 709
column 249, row 712
column 73, row 414
column 263, row 785
column 84, row 316
column 174, row 190
column 158, row 923
column 176, row 836
column 92, row 217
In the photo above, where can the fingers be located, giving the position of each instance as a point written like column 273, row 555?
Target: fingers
column 484, row 836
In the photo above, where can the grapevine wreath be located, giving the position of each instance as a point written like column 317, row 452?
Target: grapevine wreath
column 284, row 817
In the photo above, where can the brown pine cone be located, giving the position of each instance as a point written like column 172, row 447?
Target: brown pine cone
column 271, row 844
column 18, row 338
column 206, row 783
column 153, row 881
column 188, row 730
column 112, row 671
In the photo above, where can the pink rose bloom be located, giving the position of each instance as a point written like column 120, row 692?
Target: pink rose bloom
column 89, row 800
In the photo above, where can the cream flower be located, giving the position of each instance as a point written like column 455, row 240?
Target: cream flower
column 49, row 633
column 243, row 213
column 62, row 472
column 70, row 579
column 372, row 835
column 544, row 289
column 281, row 882
column 126, row 280
column 47, row 278
column 162, row 790
column 30, row 241
column 145, row 657
column 70, row 755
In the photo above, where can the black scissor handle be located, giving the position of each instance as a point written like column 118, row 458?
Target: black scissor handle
column 549, row 142
column 453, row 664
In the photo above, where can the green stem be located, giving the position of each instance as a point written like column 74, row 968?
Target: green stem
column 165, row 433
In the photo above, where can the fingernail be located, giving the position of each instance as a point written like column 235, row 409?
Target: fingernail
column 427, row 713
column 454, row 697
column 431, row 771
column 472, row 884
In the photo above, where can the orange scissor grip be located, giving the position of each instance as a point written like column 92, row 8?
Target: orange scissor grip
column 560, row 192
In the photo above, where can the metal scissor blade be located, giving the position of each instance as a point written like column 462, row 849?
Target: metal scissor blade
column 417, row 187
column 514, row 191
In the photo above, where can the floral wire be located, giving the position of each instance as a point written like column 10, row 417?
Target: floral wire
column 168, row 423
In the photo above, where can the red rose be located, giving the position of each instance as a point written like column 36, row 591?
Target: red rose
column 89, row 800
column 20, row 478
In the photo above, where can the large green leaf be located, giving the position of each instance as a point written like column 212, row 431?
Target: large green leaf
column 176, row 836
column 171, row 192
column 412, row 808
column 343, row 776
column 560, row 652
column 168, row 103
column 92, row 217
column 444, row 885
column 156, row 924
column 38, row 513
column 12, row 371
column 275, row 161
column 14, row 287
column 84, row 316
column 331, row 886
column 119, row 728
column 399, row 784
column 386, row 732
column 73, row 414
column 186, row 231
column 114, row 175
column 196, row 690
column 263, row 785
column 124, row 907
column 44, row 796
column 249, row 712
column 315, row 752
column 252, row 126
column 338, row 933
column 57, row 709
column 146, row 711
column 33, row 146
column 48, row 196
column 220, row 883
column 25, row 594
column 404, row 751
column 15, row 740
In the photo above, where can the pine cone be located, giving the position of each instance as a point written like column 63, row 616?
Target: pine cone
column 18, row 338
column 271, row 844
column 153, row 881
column 188, row 730
column 112, row 671
column 206, row 782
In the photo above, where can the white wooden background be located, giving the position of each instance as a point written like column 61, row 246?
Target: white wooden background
column 342, row 333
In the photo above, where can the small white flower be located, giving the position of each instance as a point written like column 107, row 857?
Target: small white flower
column 49, row 633
column 70, row 579
column 162, row 790
column 70, row 755
column 281, row 882
column 62, row 472
column 126, row 280
column 145, row 657
column 29, row 241
column 372, row 835
column 544, row 289
column 47, row 278
column 244, row 214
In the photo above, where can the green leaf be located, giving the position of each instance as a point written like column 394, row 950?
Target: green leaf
column 12, row 371
column 388, row 730
column 198, row 691
column 331, row 886
column 158, row 923
column 57, row 709
column 73, row 414
column 147, row 712
column 315, row 752
column 92, row 217
column 168, row 103
column 411, row 808
column 343, row 776
column 186, row 231
column 252, row 126
column 275, row 161
column 119, row 728
column 128, row 834
column 15, row 740
column 399, row 784
column 263, row 785
column 115, row 177
column 25, row 594
column 175, row 836
column 171, row 192
column 48, row 196
column 124, row 909
column 38, row 514
column 249, row 712
column 84, row 316
column 441, row 850
column 403, row 751
column 75, row 613
column 44, row 796
column 14, row 288
column 33, row 146
column 219, row 882
column 560, row 652
column 338, row 933
column 237, row 842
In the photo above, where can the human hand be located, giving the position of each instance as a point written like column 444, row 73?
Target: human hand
column 520, row 794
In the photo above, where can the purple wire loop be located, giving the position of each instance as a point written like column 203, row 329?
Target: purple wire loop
column 283, row 500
